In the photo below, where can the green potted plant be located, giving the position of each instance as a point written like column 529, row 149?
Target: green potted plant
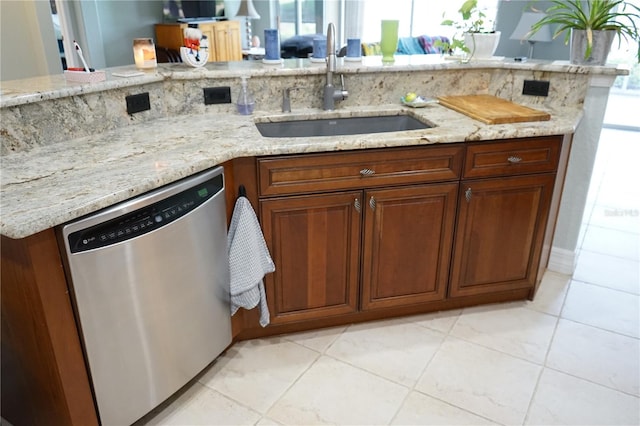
column 472, row 36
column 592, row 26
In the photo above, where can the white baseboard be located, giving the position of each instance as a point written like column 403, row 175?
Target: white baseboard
column 562, row 261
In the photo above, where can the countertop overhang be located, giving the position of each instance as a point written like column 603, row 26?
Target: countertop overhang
column 53, row 184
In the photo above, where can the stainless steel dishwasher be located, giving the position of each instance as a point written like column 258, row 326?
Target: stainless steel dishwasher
column 150, row 281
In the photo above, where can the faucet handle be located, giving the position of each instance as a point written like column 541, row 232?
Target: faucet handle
column 286, row 98
column 343, row 90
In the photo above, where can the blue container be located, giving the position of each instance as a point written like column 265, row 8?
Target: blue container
column 320, row 47
column 271, row 44
column 354, row 48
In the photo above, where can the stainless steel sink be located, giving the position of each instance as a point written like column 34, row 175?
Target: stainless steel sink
column 340, row 126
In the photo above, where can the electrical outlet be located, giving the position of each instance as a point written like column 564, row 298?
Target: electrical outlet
column 138, row 103
column 217, row 95
column 535, row 88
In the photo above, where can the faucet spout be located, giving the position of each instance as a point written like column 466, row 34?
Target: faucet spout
column 330, row 94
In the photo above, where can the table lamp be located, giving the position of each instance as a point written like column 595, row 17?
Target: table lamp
column 247, row 10
column 524, row 27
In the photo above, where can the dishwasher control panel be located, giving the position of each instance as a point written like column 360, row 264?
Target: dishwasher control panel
column 146, row 219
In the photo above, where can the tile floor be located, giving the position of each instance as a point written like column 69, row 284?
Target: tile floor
column 570, row 357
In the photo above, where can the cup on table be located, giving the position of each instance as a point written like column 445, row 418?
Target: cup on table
column 389, row 40
column 319, row 48
column 354, row 48
column 271, row 45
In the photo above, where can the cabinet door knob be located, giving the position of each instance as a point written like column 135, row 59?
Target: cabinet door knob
column 514, row 159
column 356, row 204
column 372, row 203
column 367, row 172
column 467, row 194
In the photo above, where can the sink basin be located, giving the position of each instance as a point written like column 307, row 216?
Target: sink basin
column 340, row 126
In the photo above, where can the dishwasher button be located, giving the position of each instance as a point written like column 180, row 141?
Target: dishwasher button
column 158, row 218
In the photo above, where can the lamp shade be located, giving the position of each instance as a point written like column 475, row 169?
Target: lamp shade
column 524, row 27
column 246, row 9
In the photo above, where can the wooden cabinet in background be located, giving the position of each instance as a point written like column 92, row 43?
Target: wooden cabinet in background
column 223, row 36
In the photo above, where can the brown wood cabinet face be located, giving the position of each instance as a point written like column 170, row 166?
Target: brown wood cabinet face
column 358, row 169
column 534, row 155
column 501, row 224
column 315, row 244
column 407, row 244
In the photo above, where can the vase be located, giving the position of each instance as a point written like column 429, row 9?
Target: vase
column 482, row 45
column 600, row 51
column 389, row 40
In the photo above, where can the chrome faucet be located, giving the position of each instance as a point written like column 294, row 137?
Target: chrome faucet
column 331, row 94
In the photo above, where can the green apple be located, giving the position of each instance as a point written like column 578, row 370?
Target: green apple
column 410, row 97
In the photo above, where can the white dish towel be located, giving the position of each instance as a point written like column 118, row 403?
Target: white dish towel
column 249, row 260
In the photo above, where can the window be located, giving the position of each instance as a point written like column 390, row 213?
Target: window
column 417, row 17
column 299, row 17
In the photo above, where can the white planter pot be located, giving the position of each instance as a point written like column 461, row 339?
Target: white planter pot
column 601, row 46
column 482, row 45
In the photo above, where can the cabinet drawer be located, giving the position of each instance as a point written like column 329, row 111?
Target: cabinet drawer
column 357, row 169
column 536, row 155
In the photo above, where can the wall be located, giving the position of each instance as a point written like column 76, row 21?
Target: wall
column 118, row 23
column 509, row 13
column 28, row 44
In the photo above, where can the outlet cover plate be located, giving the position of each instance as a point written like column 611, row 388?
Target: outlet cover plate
column 138, row 103
column 217, row 95
column 536, row 88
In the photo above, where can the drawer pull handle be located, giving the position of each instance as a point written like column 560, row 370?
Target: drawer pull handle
column 356, row 204
column 514, row 159
column 372, row 203
column 367, row 172
column 467, row 195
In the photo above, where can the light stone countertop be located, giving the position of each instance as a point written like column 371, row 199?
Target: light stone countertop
column 20, row 92
column 53, row 184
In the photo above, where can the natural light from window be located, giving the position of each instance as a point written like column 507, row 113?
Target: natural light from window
column 427, row 16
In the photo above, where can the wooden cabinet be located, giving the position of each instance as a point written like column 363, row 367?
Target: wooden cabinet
column 502, row 218
column 223, row 36
column 226, row 44
column 389, row 244
column 364, row 234
column 501, row 224
column 315, row 243
column 408, row 233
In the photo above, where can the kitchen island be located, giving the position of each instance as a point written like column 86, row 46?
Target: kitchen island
column 69, row 150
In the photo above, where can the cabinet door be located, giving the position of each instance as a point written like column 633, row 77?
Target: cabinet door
column 234, row 43
column 315, row 244
column 208, row 30
column 225, row 45
column 407, row 244
column 499, row 235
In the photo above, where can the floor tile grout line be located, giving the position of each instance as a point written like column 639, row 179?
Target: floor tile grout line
column 617, row 333
column 230, row 398
column 592, row 382
column 413, row 388
column 618, row 290
column 293, row 382
column 611, row 255
column 544, row 363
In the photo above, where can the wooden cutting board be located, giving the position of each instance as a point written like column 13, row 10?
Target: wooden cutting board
column 492, row 110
